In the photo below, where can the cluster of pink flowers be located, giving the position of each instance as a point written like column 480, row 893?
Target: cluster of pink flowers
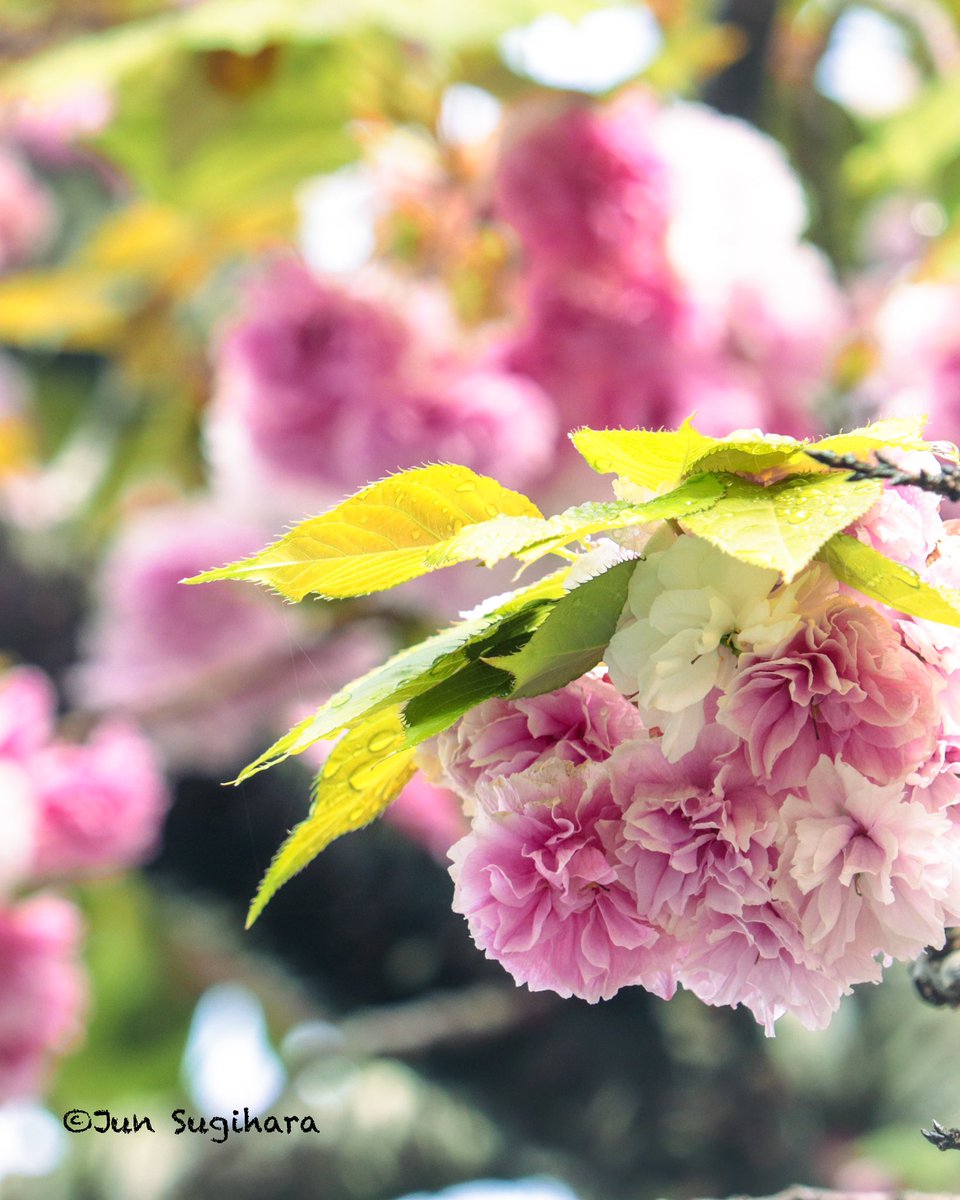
column 321, row 387
column 758, row 801
column 658, row 285
column 70, row 810
column 640, row 296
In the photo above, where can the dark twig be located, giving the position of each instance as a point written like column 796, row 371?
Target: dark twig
column 943, row 1139
column 946, row 483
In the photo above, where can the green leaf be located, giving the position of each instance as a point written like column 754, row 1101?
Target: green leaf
column 416, row 670
column 784, row 525
column 754, row 455
column 645, row 457
column 574, row 636
column 872, row 573
column 366, row 769
column 378, row 538
column 891, row 433
column 911, row 148
column 436, row 709
column 529, row 539
column 653, row 459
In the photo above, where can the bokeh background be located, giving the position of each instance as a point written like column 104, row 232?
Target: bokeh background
column 256, row 253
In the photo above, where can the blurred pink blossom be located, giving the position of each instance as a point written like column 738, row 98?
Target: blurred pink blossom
column 711, row 302
column 429, row 815
column 100, row 805
column 585, row 187
column 323, row 387
column 44, row 989
column 918, row 355
column 47, row 128
column 28, row 706
column 497, row 423
column 198, row 666
column 302, row 364
column 28, row 216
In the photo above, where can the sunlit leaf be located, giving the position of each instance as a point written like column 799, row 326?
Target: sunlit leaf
column 782, row 526
column 910, row 148
column 574, row 636
column 417, row 669
column 872, row 573
column 73, row 307
column 892, row 433
column 436, row 709
column 528, row 538
column 650, row 459
column 378, row 538
column 366, row 769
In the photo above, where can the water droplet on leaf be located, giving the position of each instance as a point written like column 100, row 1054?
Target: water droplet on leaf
column 381, row 741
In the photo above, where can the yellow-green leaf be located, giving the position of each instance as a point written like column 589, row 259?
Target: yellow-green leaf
column 378, row 538
column 782, row 526
column 649, row 458
column 76, row 307
column 415, row 670
column 654, row 458
column 872, row 573
column 367, row 769
column 529, row 539
column 893, row 433
column 573, row 638
column 753, row 455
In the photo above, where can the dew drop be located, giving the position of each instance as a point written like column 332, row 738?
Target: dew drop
column 381, row 741
column 492, row 510
column 358, row 781
column 797, row 516
column 415, row 535
column 339, row 700
column 467, row 486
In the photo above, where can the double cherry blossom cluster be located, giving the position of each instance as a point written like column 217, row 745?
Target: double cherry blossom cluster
column 757, row 800
column 69, row 811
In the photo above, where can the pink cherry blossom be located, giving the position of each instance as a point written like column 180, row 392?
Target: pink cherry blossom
column 905, row 523
column 44, row 990
column 696, row 833
column 869, row 871
column 605, row 356
column 581, row 722
column 496, row 422
column 543, row 894
column 756, row 957
column 585, row 187
column 191, row 663
column 100, row 805
column 295, row 370
column 844, row 685
column 28, row 706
